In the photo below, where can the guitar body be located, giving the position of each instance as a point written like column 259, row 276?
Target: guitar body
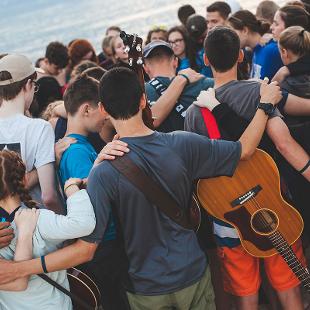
column 251, row 202
column 85, row 288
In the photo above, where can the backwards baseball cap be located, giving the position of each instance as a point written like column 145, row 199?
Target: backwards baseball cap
column 154, row 44
column 196, row 26
column 19, row 67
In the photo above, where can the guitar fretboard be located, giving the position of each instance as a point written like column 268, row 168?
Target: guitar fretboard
column 285, row 250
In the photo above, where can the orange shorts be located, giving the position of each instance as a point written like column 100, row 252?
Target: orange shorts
column 241, row 274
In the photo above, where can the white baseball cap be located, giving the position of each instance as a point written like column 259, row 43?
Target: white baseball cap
column 19, row 67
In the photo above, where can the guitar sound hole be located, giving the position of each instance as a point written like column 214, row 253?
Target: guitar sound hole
column 264, row 221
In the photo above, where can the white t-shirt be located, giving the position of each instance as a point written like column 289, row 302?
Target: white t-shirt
column 32, row 138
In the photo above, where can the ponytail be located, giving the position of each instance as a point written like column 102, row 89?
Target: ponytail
column 245, row 18
column 295, row 39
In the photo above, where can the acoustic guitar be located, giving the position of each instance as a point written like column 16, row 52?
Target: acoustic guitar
column 133, row 46
column 251, row 202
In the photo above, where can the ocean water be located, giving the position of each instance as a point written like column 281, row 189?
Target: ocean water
column 27, row 26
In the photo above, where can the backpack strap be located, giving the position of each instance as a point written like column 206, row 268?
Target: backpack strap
column 210, row 123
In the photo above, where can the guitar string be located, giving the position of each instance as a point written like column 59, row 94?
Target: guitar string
column 287, row 249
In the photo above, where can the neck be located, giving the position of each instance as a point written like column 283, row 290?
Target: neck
column 75, row 126
column 162, row 70
column 253, row 40
column 12, row 107
column 182, row 56
column 10, row 203
column 222, row 78
column 133, row 127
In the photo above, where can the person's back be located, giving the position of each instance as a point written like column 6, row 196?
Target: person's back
column 50, row 232
column 32, row 138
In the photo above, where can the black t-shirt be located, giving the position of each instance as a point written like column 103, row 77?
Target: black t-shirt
column 6, row 217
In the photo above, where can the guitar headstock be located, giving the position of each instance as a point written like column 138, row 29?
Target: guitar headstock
column 133, row 46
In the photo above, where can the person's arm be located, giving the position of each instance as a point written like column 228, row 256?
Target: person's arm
column 287, row 146
column 297, row 106
column 165, row 103
column 6, row 234
column 80, row 219
column 49, row 193
column 25, row 220
column 270, row 93
column 69, row 256
column 60, row 111
column 32, row 179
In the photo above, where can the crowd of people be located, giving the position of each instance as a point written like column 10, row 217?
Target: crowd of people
column 80, row 167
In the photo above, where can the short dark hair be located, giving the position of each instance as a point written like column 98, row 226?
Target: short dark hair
column 125, row 103
column 83, row 89
column 220, row 6
column 9, row 92
column 222, row 46
column 184, row 12
column 57, row 54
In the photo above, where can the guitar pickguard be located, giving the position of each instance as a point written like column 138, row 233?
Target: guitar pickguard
column 241, row 218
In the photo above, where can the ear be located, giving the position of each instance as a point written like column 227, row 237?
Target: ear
column 28, row 85
column 146, row 68
column 84, row 109
column 175, row 62
column 206, row 60
column 102, row 110
column 241, row 56
column 143, row 101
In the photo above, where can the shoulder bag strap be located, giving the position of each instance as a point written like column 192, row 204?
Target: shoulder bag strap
column 210, row 123
column 74, row 297
column 152, row 190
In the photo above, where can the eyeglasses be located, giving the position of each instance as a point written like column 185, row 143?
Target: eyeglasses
column 177, row 41
column 36, row 86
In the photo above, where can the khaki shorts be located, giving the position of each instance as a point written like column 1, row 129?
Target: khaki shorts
column 198, row 296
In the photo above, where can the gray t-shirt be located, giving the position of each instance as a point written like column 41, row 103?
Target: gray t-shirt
column 241, row 96
column 163, row 256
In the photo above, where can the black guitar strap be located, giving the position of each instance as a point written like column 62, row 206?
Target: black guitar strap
column 74, row 297
column 152, row 190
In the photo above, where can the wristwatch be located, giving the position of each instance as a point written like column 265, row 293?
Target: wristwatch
column 268, row 108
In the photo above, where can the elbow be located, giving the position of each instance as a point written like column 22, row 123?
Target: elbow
column 49, row 199
column 246, row 155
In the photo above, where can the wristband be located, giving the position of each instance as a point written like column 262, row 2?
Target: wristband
column 43, row 264
column 69, row 186
column 301, row 171
column 186, row 77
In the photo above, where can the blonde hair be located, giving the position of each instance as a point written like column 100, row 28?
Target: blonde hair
column 48, row 113
column 295, row 39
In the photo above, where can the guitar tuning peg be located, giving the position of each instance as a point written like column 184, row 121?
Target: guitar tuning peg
column 127, row 49
column 138, row 48
column 140, row 61
column 130, row 62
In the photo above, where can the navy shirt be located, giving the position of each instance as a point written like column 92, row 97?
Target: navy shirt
column 163, row 256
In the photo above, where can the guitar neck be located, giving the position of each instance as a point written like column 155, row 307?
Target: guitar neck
column 285, row 250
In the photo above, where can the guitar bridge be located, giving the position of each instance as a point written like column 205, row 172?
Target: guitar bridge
column 245, row 197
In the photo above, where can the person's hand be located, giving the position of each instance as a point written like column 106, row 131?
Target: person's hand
column 26, row 221
column 192, row 75
column 281, row 74
column 6, row 234
column 61, row 145
column 112, row 149
column 73, row 185
column 207, row 99
column 270, row 93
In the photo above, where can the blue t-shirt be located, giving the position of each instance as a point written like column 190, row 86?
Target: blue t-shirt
column 76, row 162
column 183, row 64
column 203, row 69
column 266, row 60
